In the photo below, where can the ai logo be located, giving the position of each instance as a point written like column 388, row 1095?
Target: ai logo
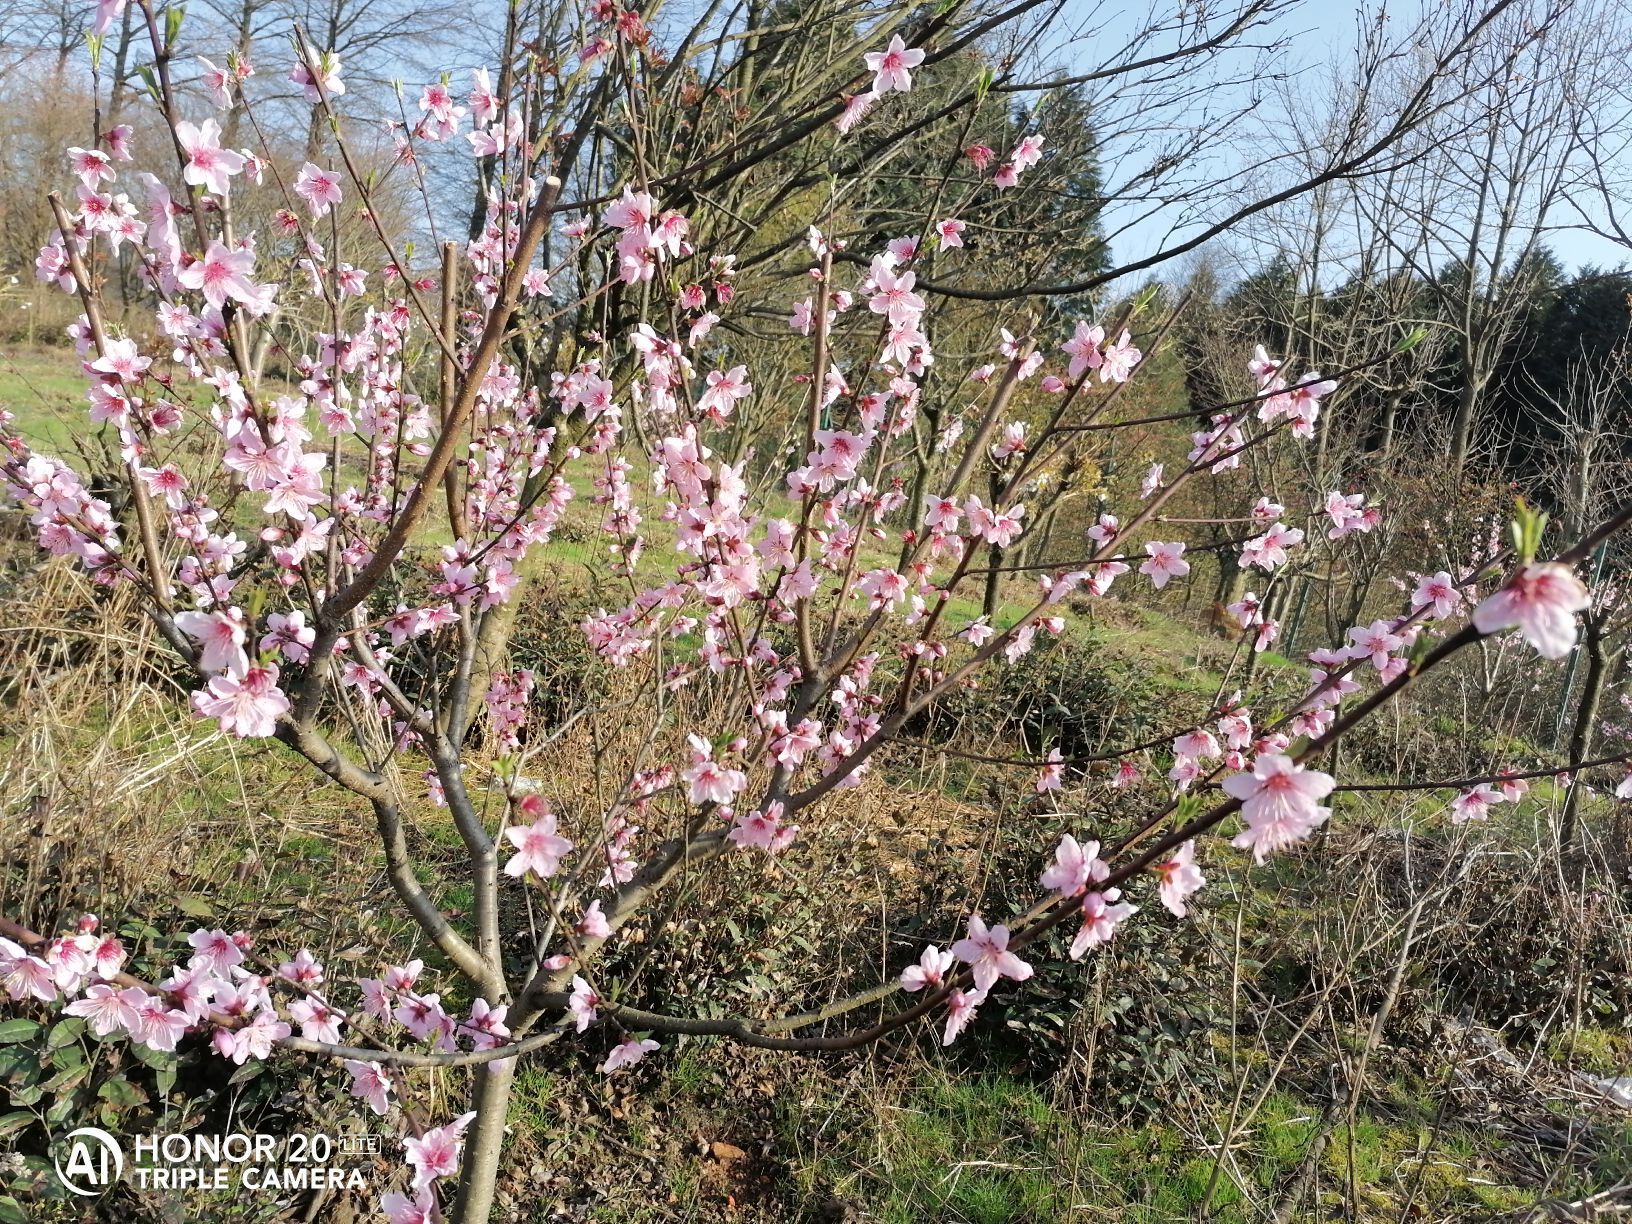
column 94, row 1161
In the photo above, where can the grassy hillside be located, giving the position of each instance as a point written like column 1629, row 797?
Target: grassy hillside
column 1319, row 1042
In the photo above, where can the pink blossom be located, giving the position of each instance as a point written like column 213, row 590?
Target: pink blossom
column 24, row 975
column 91, row 165
column 288, row 635
column 1102, row 913
column 1199, row 744
column 894, row 296
column 627, row 1053
column 941, row 514
column 107, row 12
column 158, row 1026
column 855, row 109
column 538, row 847
column 1179, row 877
column 986, row 951
column 221, row 637
column 248, row 707
column 318, row 1021
column 1280, row 803
column 118, row 139
column 1438, row 591
column 593, row 924
column 304, row 970
column 1541, row 601
column 318, row 187
column 1120, row 359
column 763, row 829
column 109, row 1009
column 484, row 105
column 1348, row 514
column 1127, row 774
column 436, row 1153
column 400, row 1209
column 1474, row 804
column 1052, row 776
column 710, row 781
column 1166, row 561
column 219, row 83
column 890, row 67
column 486, row 1025
column 582, row 1003
column 1083, row 349
column 930, row 970
column 215, row 951
column 960, row 1010
column 222, row 274
column 1376, row 642
column 326, row 82
column 1027, row 153
column 123, row 360
column 371, row 1084
column 208, row 164
column 255, row 1040
column 1269, row 550
column 1076, row 865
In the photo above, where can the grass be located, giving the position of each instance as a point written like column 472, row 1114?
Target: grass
column 994, row 1149
column 45, row 390
column 984, row 1147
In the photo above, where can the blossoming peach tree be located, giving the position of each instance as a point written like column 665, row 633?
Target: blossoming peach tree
column 787, row 629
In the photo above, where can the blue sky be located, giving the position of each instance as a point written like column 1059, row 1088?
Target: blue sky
column 1322, row 30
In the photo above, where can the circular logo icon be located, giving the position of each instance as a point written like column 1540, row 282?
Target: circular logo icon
column 95, row 1161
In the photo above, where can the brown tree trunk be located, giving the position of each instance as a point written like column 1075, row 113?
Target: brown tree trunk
column 484, row 1144
column 1586, row 719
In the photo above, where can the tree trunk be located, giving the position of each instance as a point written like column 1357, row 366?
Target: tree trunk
column 1586, row 718
column 1388, row 423
column 988, row 603
column 1467, row 402
column 484, row 1143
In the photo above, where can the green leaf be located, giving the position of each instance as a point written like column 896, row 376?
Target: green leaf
column 11, row 1212
column 194, row 905
column 64, row 1108
column 983, row 83
column 64, row 1032
column 120, row 1091
column 151, row 80
column 18, row 1030
column 66, row 1080
column 1526, row 530
column 1411, row 339
column 149, row 1057
column 172, row 23
column 15, row 1121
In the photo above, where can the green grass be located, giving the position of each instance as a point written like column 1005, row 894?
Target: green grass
column 991, row 1149
column 45, row 390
